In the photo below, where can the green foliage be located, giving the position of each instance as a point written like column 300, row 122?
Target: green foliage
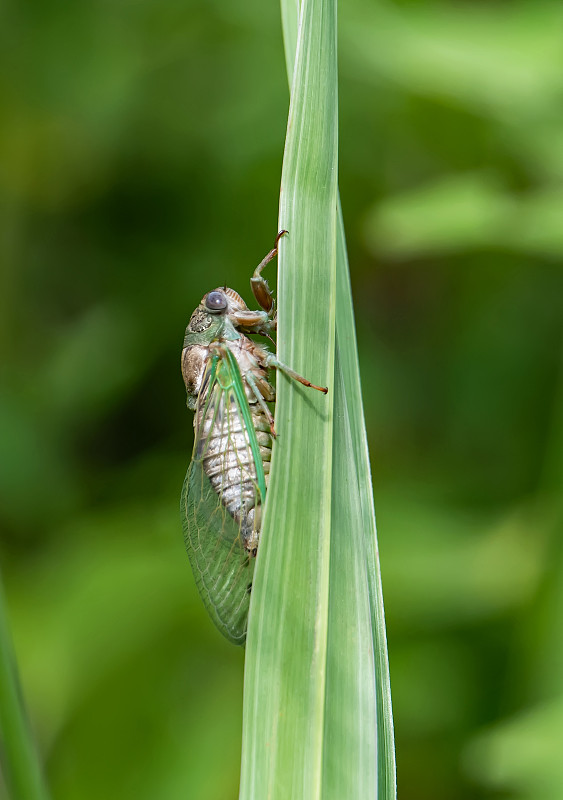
column 20, row 764
column 287, row 649
column 317, row 715
column 141, row 151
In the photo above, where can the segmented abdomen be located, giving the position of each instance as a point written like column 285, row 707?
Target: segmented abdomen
column 229, row 461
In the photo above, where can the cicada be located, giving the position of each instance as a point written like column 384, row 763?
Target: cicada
column 228, row 387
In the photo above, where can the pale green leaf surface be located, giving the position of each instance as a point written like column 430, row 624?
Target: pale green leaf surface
column 285, row 670
column 354, row 511
column 317, row 709
column 353, row 459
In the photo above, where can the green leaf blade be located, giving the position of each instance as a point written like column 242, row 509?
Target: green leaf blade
column 349, row 762
column 352, row 459
column 317, row 708
column 287, row 638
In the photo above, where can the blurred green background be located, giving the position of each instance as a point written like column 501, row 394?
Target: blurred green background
column 141, row 148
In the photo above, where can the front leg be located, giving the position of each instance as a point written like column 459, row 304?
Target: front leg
column 247, row 321
column 250, row 379
column 259, row 285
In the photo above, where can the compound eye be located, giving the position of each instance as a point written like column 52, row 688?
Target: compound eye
column 216, row 301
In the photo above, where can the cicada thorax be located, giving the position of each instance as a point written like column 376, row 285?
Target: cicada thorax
column 234, row 298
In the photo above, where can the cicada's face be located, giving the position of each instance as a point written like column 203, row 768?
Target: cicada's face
column 215, row 306
column 222, row 301
column 210, row 322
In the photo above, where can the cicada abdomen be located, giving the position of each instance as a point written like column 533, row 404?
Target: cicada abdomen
column 225, row 488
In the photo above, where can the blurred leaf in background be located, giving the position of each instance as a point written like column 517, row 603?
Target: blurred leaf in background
column 141, row 150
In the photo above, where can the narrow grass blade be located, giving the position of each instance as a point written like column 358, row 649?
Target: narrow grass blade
column 367, row 653
column 20, row 765
column 317, row 716
column 283, row 729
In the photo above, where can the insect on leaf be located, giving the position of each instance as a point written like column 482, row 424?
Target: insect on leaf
column 226, row 377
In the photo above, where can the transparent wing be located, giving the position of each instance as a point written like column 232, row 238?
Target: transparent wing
column 225, row 474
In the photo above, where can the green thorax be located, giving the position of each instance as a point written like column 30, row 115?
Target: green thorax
column 205, row 328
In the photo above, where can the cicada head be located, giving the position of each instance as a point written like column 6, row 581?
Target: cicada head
column 223, row 301
column 215, row 307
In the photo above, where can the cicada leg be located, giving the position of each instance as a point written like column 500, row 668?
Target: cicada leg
column 272, row 361
column 259, row 285
column 261, row 402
